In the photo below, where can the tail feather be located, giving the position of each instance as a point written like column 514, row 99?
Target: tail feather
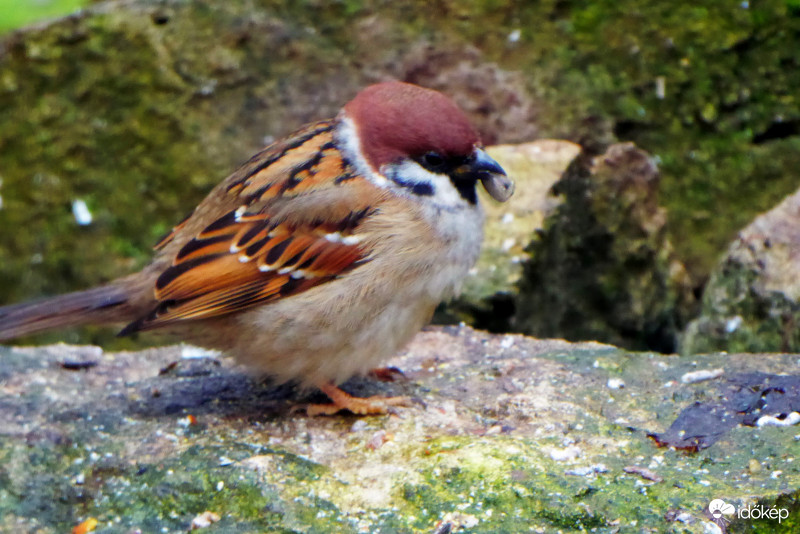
column 100, row 305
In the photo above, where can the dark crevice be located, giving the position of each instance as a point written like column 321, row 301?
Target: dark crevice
column 778, row 130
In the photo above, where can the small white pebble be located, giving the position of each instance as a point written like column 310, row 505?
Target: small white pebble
column 776, row 474
column 220, row 485
column 81, row 212
column 711, row 528
column 508, row 218
column 507, row 342
column 514, row 36
column 615, row 383
column 80, row 479
column 568, row 453
column 704, row 482
column 699, row 376
column 224, row 461
column 588, row 470
column 770, row 420
column 358, row 426
column 189, row 352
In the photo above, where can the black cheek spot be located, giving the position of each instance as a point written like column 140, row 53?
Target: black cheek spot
column 424, row 190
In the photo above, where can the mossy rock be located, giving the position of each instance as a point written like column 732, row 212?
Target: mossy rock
column 602, row 267
column 752, row 302
column 507, row 434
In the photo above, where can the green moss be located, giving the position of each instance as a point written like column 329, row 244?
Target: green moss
column 738, row 315
column 143, row 468
column 140, row 110
column 15, row 14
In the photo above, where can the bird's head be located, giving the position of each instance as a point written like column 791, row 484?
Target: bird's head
column 416, row 137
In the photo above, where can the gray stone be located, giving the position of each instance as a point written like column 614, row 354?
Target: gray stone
column 752, row 301
column 508, row 434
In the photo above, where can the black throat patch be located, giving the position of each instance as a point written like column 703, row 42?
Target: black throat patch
column 465, row 188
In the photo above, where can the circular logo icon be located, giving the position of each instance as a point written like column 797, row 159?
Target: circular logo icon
column 718, row 507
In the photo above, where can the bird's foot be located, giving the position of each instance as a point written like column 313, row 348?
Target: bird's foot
column 375, row 405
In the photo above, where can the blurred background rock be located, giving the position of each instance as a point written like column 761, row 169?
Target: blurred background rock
column 116, row 120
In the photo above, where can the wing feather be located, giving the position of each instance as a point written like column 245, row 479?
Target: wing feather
column 261, row 251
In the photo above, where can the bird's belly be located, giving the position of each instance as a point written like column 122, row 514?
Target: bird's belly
column 353, row 324
column 289, row 341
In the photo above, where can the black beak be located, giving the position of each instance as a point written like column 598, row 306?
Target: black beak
column 482, row 167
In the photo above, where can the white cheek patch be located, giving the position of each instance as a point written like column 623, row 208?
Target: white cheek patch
column 416, row 179
column 350, row 144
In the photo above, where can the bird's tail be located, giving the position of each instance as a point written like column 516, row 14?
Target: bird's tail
column 100, row 305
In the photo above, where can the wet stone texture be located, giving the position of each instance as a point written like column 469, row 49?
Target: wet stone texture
column 507, row 434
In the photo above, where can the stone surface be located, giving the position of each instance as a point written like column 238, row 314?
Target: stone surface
column 603, row 267
column 508, row 434
column 752, row 301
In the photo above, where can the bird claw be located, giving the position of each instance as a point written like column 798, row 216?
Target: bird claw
column 375, row 405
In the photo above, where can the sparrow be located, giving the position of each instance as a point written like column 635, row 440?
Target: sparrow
column 318, row 258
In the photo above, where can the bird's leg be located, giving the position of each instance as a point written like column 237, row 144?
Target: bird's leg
column 359, row 406
column 387, row 374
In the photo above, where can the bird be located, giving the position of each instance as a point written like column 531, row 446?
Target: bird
column 319, row 257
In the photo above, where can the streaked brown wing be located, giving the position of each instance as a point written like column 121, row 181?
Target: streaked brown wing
column 262, row 250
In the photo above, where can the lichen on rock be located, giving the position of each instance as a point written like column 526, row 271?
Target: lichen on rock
column 752, row 301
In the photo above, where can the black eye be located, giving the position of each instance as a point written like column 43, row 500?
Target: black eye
column 432, row 160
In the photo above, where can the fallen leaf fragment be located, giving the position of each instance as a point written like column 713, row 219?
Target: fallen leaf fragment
column 206, row 519
column 86, row 526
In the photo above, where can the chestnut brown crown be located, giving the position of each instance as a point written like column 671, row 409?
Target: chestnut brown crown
column 397, row 120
